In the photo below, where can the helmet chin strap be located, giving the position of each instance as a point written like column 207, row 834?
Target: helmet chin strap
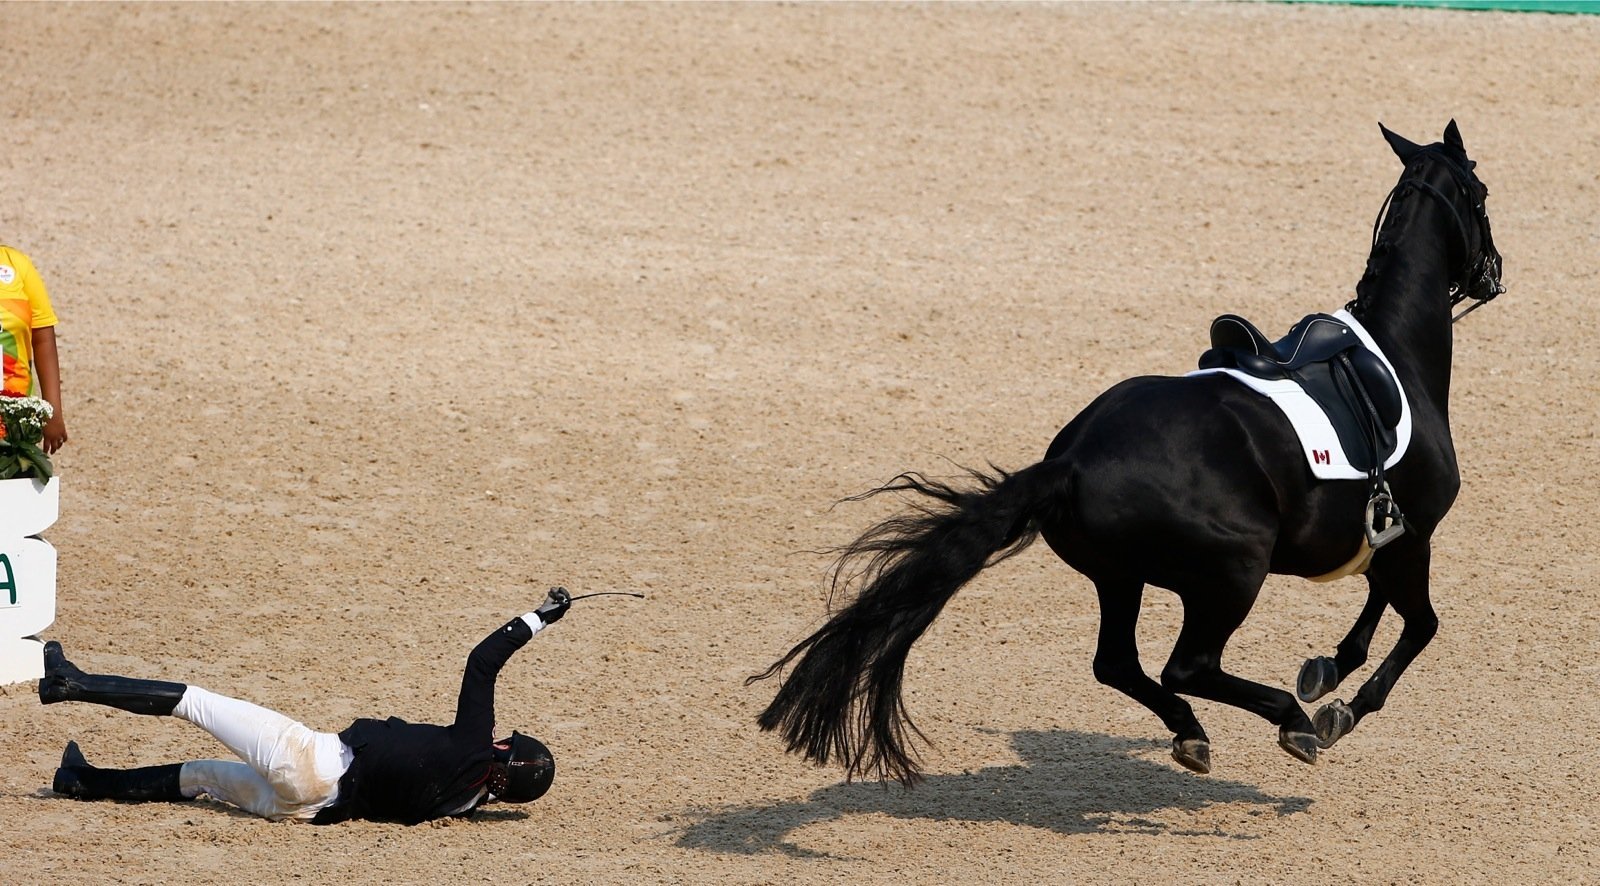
column 499, row 779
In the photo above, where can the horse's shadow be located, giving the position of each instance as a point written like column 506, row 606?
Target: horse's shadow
column 1069, row 782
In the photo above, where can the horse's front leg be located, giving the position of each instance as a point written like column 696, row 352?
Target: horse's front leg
column 1321, row 675
column 1402, row 579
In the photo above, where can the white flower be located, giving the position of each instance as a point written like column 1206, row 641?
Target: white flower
column 28, row 414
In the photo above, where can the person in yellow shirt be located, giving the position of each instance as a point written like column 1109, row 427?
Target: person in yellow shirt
column 28, row 342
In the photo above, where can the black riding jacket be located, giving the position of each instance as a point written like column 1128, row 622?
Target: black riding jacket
column 415, row 772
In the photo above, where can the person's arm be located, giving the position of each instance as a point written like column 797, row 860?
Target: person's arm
column 475, row 706
column 47, row 367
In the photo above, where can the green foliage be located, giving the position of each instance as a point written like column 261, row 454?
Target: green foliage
column 20, row 455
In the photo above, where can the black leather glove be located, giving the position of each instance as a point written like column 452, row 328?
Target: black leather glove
column 556, row 603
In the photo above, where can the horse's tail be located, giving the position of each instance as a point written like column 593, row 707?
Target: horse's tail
column 842, row 699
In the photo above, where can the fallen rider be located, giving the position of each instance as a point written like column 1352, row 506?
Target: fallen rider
column 384, row 770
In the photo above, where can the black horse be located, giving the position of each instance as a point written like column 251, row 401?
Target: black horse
column 1193, row 484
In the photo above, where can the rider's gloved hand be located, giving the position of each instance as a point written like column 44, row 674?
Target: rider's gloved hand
column 556, row 603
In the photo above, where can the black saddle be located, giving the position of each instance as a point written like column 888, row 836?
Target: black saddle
column 1318, row 337
column 1328, row 360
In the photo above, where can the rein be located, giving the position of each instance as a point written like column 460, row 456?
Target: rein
column 1484, row 271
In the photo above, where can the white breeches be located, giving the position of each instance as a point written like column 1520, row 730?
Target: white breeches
column 288, row 771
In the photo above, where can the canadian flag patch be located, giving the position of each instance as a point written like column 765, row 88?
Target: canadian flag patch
column 1320, row 456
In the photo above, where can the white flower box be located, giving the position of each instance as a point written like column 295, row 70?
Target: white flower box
column 27, row 575
column 28, row 507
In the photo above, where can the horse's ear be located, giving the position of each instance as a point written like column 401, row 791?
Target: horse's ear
column 1403, row 149
column 1452, row 137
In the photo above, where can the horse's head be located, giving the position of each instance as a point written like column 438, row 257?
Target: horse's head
column 1444, row 171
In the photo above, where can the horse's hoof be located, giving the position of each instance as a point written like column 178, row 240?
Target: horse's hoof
column 1318, row 677
column 1333, row 721
column 1300, row 745
column 1193, row 753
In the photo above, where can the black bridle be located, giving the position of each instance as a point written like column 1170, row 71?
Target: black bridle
column 1481, row 282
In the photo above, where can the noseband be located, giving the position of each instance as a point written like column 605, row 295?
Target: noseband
column 1483, row 272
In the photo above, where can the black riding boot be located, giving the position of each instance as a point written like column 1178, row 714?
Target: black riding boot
column 77, row 779
column 63, row 681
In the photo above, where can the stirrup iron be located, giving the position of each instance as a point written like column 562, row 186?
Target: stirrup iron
column 1384, row 522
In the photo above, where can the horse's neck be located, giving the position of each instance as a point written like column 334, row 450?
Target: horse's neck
column 1405, row 305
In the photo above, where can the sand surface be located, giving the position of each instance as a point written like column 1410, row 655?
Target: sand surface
column 377, row 320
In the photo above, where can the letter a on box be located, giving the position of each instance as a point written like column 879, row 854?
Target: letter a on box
column 27, row 606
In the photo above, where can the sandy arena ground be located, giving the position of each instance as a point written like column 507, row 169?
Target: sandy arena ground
column 379, row 319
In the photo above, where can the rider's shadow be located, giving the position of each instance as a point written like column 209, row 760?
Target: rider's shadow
column 1069, row 782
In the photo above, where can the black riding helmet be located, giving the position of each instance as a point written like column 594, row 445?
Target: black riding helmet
column 523, row 769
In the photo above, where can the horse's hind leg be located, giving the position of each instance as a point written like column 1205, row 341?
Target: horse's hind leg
column 1403, row 581
column 1321, row 675
column 1116, row 664
column 1195, row 668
